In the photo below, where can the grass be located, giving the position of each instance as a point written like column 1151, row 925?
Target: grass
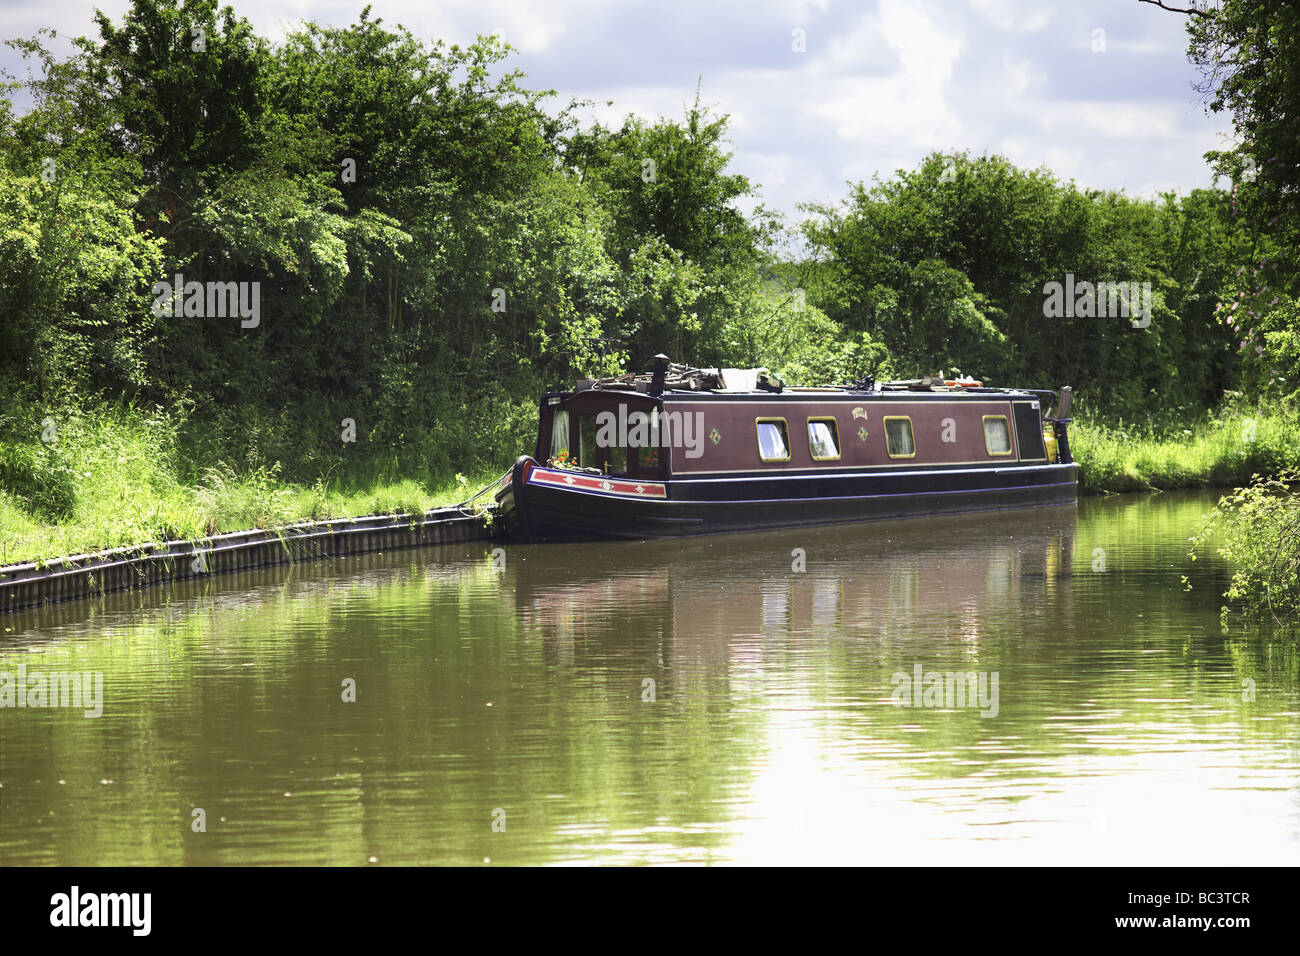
column 1218, row 451
column 112, row 479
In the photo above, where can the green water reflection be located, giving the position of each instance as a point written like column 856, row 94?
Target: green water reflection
column 521, row 696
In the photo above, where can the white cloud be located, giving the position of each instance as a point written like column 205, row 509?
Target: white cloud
column 909, row 104
column 1020, row 16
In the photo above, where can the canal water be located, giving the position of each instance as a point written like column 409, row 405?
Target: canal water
column 759, row 698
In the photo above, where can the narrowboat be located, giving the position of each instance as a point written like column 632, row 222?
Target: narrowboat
column 683, row 451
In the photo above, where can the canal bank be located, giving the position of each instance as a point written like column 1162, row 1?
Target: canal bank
column 1219, row 452
column 89, row 575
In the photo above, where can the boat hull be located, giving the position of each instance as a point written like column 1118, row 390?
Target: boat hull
column 545, row 504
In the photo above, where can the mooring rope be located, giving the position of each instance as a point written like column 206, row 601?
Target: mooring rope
column 462, row 506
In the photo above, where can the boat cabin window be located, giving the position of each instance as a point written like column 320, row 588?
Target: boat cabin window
column 823, row 439
column 773, row 439
column 648, row 460
column 899, row 442
column 997, row 435
column 585, row 442
column 559, row 434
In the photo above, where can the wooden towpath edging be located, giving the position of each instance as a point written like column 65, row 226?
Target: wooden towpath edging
column 86, row 575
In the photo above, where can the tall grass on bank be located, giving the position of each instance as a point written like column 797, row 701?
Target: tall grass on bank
column 113, row 478
column 1222, row 450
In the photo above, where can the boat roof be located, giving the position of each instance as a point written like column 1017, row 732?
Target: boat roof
column 821, row 394
column 685, row 382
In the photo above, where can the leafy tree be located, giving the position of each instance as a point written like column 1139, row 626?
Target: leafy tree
column 690, row 256
column 949, row 265
column 1248, row 52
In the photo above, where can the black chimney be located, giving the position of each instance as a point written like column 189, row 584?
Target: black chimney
column 661, row 372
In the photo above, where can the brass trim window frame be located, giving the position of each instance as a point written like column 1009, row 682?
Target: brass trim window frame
column 1011, row 445
column 835, row 438
column 785, row 434
column 911, row 430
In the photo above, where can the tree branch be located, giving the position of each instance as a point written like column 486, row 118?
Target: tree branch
column 1189, row 10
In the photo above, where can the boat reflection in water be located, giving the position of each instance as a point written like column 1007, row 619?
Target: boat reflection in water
column 711, row 598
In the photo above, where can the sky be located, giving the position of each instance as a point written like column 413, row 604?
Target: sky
column 822, row 93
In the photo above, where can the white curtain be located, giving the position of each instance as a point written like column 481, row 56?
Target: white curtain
column 559, row 433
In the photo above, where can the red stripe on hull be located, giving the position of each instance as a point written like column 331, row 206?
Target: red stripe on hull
column 579, row 481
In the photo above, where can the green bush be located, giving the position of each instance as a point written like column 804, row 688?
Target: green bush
column 1259, row 530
